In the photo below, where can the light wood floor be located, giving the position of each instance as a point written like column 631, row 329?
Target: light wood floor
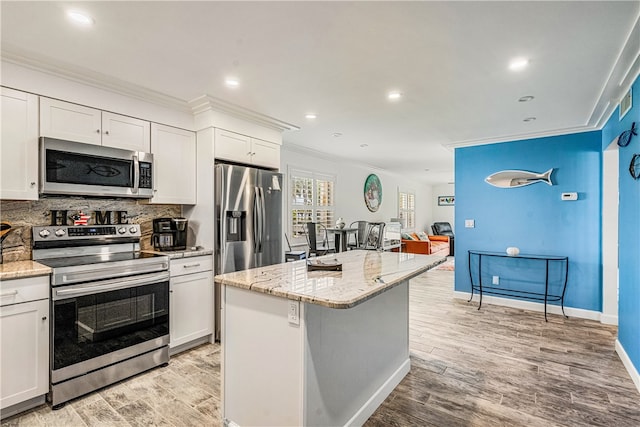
column 494, row 367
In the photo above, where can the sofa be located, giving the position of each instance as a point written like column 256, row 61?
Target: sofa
column 436, row 245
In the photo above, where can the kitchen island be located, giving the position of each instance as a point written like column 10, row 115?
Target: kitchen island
column 316, row 347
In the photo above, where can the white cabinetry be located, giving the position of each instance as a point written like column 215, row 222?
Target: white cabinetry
column 73, row 122
column 24, row 334
column 191, row 301
column 174, row 162
column 19, row 146
column 244, row 149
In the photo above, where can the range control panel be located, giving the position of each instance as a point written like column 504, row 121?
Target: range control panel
column 67, row 232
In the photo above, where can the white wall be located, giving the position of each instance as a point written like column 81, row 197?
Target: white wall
column 350, row 188
column 443, row 213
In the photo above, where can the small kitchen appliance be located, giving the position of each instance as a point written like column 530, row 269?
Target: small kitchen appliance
column 170, row 234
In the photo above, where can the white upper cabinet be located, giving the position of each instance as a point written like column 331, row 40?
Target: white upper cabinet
column 64, row 120
column 174, row 165
column 244, row 149
column 19, row 146
column 232, row 146
column 264, row 153
column 125, row 132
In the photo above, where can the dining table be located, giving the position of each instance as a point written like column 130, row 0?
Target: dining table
column 341, row 237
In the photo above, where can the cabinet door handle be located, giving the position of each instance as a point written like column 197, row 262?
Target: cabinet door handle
column 33, row 184
column 191, row 265
column 44, row 318
column 106, row 132
column 8, row 294
column 97, row 130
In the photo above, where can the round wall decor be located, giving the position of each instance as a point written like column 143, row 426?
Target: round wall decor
column 372, row 192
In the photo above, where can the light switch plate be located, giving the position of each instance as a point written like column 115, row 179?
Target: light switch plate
column 469, row 223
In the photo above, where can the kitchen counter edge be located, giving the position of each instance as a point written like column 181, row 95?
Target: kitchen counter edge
column 362, row 296
column 188, row 253
column 22, row 269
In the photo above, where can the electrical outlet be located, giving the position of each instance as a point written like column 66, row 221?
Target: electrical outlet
column 294, row 312
column 495, row 280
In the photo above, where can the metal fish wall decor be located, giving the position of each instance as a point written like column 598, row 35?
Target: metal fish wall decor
column 517, row 178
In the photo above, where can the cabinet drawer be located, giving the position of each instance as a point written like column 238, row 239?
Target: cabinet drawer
column 22, row 290
column 197, row 264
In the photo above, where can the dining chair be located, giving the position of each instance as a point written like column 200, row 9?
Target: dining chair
column 374, row 236
column 359, row 235
column 317, row 239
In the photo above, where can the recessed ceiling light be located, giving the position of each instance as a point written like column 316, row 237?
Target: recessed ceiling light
column 80, row 18
column 336, row 134
column 518, row 64
column 529, row 119
column 364, row 145
column 394, row 95
column 311, row 116
column 232, row 82
column 526, row 98
column 426, row 170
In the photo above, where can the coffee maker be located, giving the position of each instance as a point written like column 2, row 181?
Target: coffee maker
column 169, row 234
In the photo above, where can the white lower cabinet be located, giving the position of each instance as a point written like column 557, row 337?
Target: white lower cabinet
column 190, row 301
column 24, row 335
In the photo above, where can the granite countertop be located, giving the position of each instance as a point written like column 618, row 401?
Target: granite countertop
column 22, row 269
column 364, row 275
column 187, row 253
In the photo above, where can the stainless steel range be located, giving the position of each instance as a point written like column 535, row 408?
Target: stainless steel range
column 109, row 305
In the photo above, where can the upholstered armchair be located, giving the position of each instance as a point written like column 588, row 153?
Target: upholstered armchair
column 444, row 229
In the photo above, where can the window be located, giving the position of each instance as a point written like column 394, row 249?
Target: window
column 407, row 209
column 312, row 199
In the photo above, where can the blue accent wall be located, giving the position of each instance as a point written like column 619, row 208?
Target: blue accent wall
column 534, row 218
column 629, row 231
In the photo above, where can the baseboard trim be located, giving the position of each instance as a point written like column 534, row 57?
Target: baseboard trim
column 370, row 406
column 530, row 305
column 628, row 364
column 609, row 319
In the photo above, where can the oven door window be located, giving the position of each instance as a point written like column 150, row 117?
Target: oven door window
column 73, row 168
column 95, row 325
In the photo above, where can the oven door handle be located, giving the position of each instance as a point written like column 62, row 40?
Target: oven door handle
column 95, row 275
column 108, row 285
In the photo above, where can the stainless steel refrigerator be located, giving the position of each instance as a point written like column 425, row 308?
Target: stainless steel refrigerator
column 248, row 207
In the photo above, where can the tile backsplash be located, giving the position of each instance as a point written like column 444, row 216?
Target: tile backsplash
column 22, row 215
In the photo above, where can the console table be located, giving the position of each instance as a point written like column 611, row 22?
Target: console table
column 480, row 263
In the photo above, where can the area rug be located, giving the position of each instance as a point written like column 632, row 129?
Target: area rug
column 448, row 265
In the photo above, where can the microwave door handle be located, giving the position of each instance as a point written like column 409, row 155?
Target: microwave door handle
column 136, row 174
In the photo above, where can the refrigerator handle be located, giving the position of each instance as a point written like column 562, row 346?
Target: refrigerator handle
column 256, row 220
column 262, row 216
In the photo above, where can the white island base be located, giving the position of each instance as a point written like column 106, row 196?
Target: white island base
column 333, row 369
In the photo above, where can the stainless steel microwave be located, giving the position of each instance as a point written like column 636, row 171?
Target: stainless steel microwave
column 73, row 168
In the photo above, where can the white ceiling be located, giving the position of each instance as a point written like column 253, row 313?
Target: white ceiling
column 339, row 60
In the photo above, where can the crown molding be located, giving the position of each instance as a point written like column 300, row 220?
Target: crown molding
column 519, row 137
column 625, row 70
column 91, row 78
column 206, row 103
